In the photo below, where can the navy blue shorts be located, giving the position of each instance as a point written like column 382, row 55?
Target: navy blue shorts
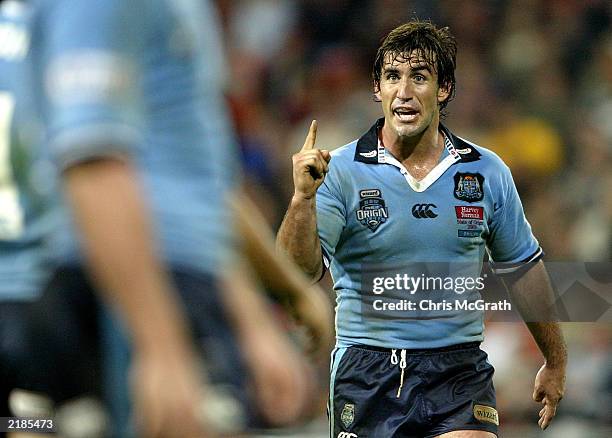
column 443, row 390
column 82, row 350
column 17, row 354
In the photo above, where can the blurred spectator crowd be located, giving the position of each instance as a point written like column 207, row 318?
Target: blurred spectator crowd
column 534, row 84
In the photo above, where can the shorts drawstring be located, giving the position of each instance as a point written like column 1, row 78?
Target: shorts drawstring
column 402, row 365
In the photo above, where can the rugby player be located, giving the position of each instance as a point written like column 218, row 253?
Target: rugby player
column 163, row 351
column 409, row 193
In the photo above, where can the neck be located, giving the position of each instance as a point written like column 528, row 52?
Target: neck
column 421, row 146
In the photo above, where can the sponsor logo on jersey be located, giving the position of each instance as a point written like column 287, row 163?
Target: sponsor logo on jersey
column 347, row 435
column 469, row 217
column 464, row 151
column 370, row 154
column 468, row 187
column 468, row 212
column 87, row 76
column 424, row 211
column 468, row 233
column 348, row 414
column 372, row 209
column 486, row 413
column 371, row 193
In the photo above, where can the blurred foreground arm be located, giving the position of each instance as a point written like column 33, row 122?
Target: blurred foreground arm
column 307, row 303
column 533, row 297
column 282, row 380
column 298, row 235
column 118, row 243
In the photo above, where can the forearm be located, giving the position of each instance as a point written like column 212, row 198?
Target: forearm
column 534, row 299
column 275, row 272
column 298, row 236
column 118, row 244
column 549, row 337
column 246, row 309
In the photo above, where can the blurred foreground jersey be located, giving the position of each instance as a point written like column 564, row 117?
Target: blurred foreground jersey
column 24, row 217
column 376, row 222
column 142, row 79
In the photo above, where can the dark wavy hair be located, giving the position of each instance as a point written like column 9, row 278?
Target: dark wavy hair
column 436, row 46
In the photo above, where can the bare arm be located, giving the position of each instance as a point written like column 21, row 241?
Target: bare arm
column 306, row 302
column 533, row 297
column 118, row 244
column 109, row 213
column 279, row 373
column 298, row 235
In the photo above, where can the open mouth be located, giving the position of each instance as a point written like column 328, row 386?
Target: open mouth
column 405, row 114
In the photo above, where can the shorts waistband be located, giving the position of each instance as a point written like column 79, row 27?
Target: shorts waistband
column 450, row 348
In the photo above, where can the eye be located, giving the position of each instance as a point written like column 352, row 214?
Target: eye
column 419, row 78
column 392, row 76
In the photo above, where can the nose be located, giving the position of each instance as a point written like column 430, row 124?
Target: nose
column 404, row 89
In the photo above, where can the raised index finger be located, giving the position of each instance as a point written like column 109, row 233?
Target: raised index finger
column 311, row 137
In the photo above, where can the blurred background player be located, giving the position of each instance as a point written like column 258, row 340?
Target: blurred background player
column 90, row 93
column 159, row 360
column 24, row 219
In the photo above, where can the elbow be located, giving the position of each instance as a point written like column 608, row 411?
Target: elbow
column 315, row 274
column 309, row 263
column 312, row 271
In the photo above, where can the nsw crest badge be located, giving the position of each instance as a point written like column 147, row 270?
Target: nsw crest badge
column 348, row 414
column 469, row 187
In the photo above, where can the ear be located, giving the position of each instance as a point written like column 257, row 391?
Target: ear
column 376, row 94
column 443, row 93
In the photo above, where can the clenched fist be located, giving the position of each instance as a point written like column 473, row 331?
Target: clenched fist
column 309, row 166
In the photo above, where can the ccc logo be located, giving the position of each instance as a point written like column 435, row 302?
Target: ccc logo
column 347, row 435
column 424, row 211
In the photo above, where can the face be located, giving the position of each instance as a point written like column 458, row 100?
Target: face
column 410, row 96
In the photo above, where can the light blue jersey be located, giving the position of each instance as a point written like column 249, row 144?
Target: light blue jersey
column 376, row 222
column 142, row 79
column 24, row 217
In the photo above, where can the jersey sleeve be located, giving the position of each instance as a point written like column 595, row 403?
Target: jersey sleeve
column 90, row 55
column 511, row 243
column 331, row 215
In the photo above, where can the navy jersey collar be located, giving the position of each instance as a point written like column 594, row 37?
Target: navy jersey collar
column 467, row 152
column 367, row 146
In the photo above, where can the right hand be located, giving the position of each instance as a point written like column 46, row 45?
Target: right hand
column 168, row 391
column 549, row 389
column 283, row 380
column 309, row 166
